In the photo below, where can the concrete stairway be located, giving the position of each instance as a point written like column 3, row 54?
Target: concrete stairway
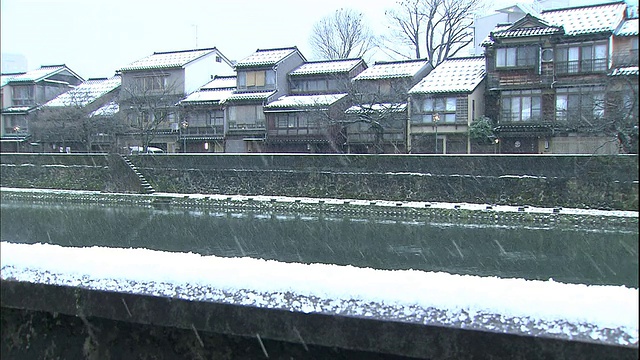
column 145, row 186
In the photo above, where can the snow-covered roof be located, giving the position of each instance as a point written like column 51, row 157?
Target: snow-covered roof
column 303, row 101
column 266, row 57
column 519, row 8
column 625, row 71
column 220, row 82
column 17, row 109
column 85, row 93
column 453, row 75
column 381, row 107
column 207, row 96
column 4, row 78
column 393, row 69
column 107, row 110
column 587, row 19
column 579, row 20
column 326, row 67
column 169, row 59
column 629, row 28
column 39, row 74
column 257, row 95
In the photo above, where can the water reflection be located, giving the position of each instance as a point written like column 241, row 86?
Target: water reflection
column 530, row 252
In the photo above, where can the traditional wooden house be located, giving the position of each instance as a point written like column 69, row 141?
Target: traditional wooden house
column 444, row 104
column 377, row 121
column 202, row 114
column 547, row 78
column 310, row 117
column 153, row 85
column 65, row 122
column 261, row 78
column 22, row 94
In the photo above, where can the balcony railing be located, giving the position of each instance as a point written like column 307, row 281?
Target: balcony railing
column 581, row 66
column 622, row 58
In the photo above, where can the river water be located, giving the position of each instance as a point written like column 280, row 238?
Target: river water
column 536, row 252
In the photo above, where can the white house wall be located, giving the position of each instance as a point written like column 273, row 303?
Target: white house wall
column 201, row 71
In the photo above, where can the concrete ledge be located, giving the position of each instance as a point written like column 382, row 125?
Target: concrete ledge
column 353, row 333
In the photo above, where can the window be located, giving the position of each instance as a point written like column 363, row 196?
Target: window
column 445, row 107
column 517, row 56
column 153, row 83
column 520, row 106
column 23, row 95
column 257, row 79
column 294, row 124
column 579, row 104
column 246, row 117
column 581, row 58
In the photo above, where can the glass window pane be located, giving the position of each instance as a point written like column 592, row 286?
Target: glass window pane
column 501, row 56
column 526, row 108
column 451, row 104
column 450, row 118
column 440, row 104
column 427, row 118
column 511, row 56
column 515, row 108
column 428, row 105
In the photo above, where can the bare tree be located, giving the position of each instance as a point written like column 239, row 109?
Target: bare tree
column 342, row 35
column 148, row 105
column 440, row 27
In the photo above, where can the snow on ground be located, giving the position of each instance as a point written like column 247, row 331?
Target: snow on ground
column 546, row 308
column 382, row 203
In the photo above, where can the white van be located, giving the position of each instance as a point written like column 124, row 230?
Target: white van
column 135, row 150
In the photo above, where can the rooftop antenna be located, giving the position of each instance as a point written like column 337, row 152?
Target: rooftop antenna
column 196, row 26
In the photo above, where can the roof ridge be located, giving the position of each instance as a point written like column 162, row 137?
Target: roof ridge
column 181, row 51
column 398, row 61
column 275, row 49
column 582, row 7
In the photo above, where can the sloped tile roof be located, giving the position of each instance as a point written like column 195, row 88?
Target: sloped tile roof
column 85, row 93
column 220, row 82
column 207, row 96
column 169, row 59
column 390, row 107
column 17, row 109
column 266, row 57
column 303, row 101
column 107, row 110
column 453, row 75
column 326, row 67
column 4, row 78
column 392, row 69
column 587, row 19
column 258, row 95
column 628, row 28
column 38, row 74
column 579, row 20
column 625, row 71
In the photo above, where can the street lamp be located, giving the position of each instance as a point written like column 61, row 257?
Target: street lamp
column 436, row 118
column 184, row 126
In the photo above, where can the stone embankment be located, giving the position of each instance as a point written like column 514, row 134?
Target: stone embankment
column 577, row 181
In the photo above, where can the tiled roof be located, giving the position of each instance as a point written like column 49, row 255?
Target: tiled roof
column 392, row 69
column 528, row 31
column 628, row 28
column 326, row 67
column 208, row 96
column 86, row 92
column 258, row 95
column 4, row 78
column 107, row 110
column 38, row 74
column 301, row 101
column 389, row 107
column 220, row 82
column 17, row 109
column 625, row 71
column 266, row 57
column 587, row 19
column 453, row 75
column 169, row 59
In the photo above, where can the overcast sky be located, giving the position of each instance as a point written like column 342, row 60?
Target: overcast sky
column 96, row 38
